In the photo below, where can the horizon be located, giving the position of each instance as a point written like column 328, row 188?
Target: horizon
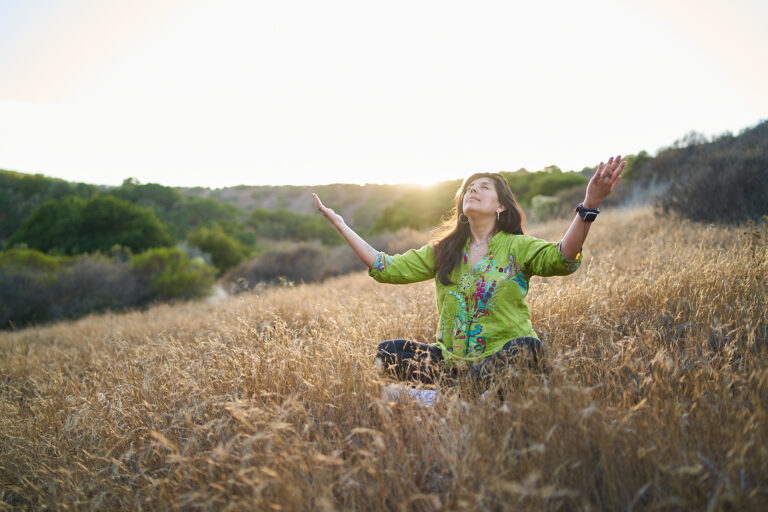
column 404, row 184
column 186, row 94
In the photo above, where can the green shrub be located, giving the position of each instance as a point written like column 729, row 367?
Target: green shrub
column 73, row 226
column 725, row 180
column 21, row 194
column 172, row 275
column 303, row 262
column 418, row 209
column 36, row 288
column 288, row 225
column 307, row 262
column 544, row 207
column 424, row 208
column 225, row 251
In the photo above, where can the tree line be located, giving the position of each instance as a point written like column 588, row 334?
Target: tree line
column 153, row 242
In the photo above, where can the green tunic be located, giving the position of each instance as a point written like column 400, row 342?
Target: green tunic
column 485, row 306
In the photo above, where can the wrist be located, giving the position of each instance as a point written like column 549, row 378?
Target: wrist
column 591, row 203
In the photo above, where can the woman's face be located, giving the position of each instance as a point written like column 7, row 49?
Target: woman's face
column 480, row 198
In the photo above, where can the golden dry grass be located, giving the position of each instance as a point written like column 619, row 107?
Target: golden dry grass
column 654, row 398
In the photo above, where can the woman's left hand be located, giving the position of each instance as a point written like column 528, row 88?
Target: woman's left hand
column 604, row 181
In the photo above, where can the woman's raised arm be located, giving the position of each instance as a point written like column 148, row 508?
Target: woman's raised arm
column 600, row 186
column 364, row 251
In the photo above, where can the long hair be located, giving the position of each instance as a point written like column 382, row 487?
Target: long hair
column 451, row 236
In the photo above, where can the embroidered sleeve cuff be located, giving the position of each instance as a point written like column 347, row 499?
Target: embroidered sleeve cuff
column 381, row 262
column 570, row 265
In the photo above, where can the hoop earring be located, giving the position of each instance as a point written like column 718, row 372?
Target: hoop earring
column 464, row 220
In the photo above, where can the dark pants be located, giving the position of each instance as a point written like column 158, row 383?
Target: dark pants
column 419, row 362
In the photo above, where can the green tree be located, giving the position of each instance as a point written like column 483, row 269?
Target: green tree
column 21, row 194
column 225, row 251
column 288, row 225
column 73, row 225
column 418, row 209
column 172, row 275
column 635, row 164
column 53, row 227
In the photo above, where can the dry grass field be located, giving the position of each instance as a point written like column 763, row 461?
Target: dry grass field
column 655, row 395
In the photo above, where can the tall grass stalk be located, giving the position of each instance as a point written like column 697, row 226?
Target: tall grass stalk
column 654, row 395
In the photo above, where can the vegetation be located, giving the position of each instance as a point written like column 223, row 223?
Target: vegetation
column 36, row 288
column 172, row 275
column 655, row 394
column 424, row 208
column 725, row 180
column 21, row 194
column 305, row 262
column 184, row 213
column 419, row 209
column 287, row 225
column 722, row 180
column 73, row 226
column 225, row 250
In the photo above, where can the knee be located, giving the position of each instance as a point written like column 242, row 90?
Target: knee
column 388, row 352
column 530, row 346
column 387, row 348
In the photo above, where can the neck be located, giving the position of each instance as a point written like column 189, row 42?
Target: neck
column 482, row 230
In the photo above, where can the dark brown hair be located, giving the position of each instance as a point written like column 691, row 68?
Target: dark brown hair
column 451, row 236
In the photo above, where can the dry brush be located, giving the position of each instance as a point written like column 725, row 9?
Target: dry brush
column 654, row 396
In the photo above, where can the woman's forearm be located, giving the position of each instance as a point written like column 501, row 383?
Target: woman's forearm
column 363, row 249
column 602, row 183
column 573, row 240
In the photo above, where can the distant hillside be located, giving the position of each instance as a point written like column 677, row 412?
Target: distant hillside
column 360, row 205
column 688, row 177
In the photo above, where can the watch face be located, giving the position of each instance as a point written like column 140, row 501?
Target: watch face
column 590, row 216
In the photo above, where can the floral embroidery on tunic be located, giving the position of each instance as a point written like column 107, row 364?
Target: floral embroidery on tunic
column 513, row 270
column 382, row 261
column 473, row 304
column 570, row 265
column 481, row 309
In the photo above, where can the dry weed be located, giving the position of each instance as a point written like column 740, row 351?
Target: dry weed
column 654, row 397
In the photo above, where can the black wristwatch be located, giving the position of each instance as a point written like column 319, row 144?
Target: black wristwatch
column 587, row 214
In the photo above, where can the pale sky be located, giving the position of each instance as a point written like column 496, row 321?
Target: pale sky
column 309, row 92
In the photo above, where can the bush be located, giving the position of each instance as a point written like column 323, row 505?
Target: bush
column 544, row 207
column 726, row 189
column 288, row 225
column 172, row 275
column 225, row 251
column 36, row 288
column 418, row 209
column 725, row 180
column 307, row 262
column 74, row 226
column 296, row 263
column 21, row 194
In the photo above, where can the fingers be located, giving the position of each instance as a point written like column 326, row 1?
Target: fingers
column 611, row 169
column 617, row 175
column 318, row 203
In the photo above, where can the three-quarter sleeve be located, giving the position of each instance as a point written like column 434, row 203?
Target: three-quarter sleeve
column 410, row 267
column 542, row 258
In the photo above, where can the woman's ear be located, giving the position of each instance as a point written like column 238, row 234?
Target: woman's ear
column 501, row 208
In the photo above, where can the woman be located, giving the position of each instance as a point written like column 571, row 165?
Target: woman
column 481, row 267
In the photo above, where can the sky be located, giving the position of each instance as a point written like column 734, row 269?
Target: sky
column 215, row 94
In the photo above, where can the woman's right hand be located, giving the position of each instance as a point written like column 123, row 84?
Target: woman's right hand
column 364, row 251
column 333, row 217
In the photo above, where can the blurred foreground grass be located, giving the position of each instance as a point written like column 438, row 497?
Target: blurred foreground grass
column 654, row 398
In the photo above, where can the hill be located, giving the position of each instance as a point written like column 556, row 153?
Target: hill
column 361, row 204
